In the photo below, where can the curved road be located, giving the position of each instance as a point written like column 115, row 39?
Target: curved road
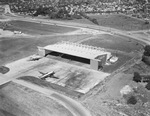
column 79, row 25
column 73, row 106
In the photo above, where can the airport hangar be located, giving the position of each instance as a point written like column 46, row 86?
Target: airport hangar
column 97, row 56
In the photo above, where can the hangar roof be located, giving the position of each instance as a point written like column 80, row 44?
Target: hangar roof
column 76, row 49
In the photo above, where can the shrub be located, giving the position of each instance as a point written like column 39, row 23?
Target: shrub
column 132, row 100
column 137, row 78
column 95, row 21
column 147, row 50
column 146, row 59
column 148, row 86
column 4, row 69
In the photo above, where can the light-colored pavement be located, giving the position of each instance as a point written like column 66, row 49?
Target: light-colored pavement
column 17, row 68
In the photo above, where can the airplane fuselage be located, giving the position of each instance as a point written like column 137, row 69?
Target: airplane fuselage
column 46, row 75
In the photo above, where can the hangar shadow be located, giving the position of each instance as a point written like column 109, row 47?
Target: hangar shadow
column 70, row 57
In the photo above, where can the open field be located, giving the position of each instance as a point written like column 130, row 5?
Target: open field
column 82, row 21
column 15, row 48
column 2, row 17
column 36, row 28
column 117, row 21
column 121, row 22
column 17, row 100
column 142, row 35
column 115, row 42
column 148, row 32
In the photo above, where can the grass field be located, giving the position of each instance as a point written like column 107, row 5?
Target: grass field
column 148, row 32
column 16, row 48
column 2, row 17
column 16, row 100
column 141, row 68
column 82, row 21
column 114, row 42
column 36, row 28
column 122, row 59
column 116, row 21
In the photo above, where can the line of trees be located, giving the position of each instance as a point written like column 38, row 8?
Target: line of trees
column 89, row 18
column 55, row 13
column 142, row 78
column 62, row 13
column 146, row 55
column 146, row 59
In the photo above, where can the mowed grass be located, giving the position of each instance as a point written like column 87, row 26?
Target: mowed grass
column 117, row 21
column 82, row 21
column 17, row 100
column 114, row 42
column 148, row 32
column 122, row 59
column 15, row 48
column 37, row 28
column 121, row 22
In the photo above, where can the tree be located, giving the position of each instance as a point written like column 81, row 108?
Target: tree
column 141, row 1
column 147, row 50
column 148, row 86
column 137, row 78
column 132, row 100
column 146, row 59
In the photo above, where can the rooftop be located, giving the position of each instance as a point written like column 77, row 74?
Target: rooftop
column 76, row 49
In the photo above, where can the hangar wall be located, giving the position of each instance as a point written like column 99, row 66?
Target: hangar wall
column 94, row 64
column 42, row 52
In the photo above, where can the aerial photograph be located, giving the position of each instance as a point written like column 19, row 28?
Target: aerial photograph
column 74, row 57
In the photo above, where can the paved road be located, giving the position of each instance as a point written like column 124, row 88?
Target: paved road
column 21, row 66
column 77, row 25
column 73, row 106
column 76, row 108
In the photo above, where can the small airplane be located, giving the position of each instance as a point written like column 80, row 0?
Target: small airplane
column 34, row 58
column 46, row 75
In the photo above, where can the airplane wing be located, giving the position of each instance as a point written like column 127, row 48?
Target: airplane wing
column 42, row 73
column 46, row 75
column 54, row 77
